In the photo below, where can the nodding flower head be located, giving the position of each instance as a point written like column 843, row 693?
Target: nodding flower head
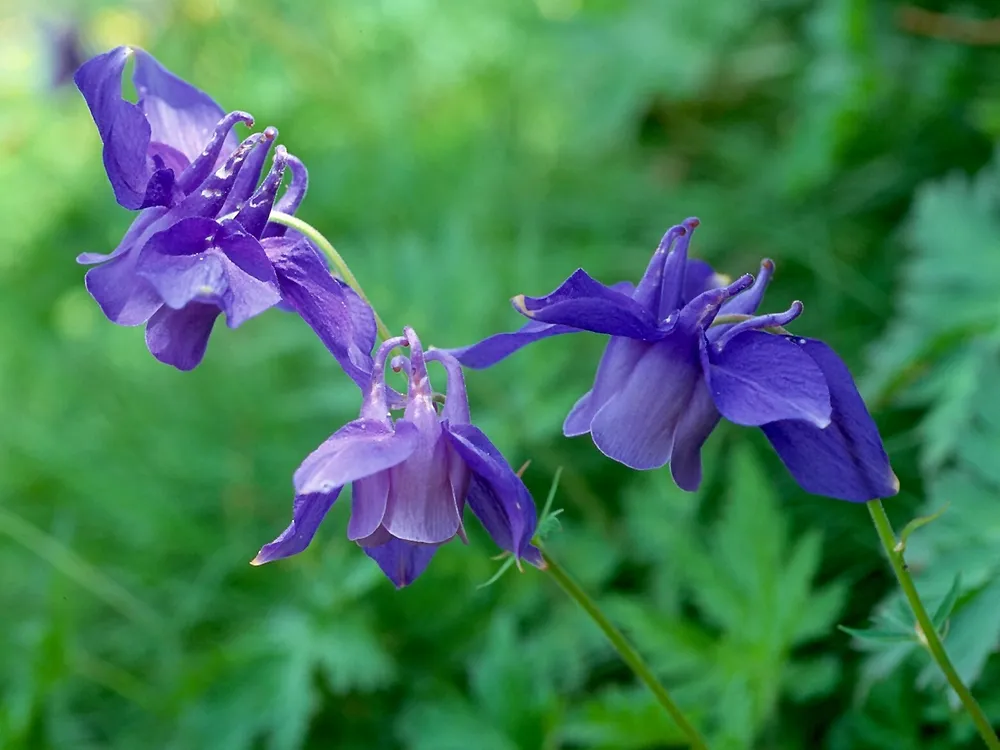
column 412, row 475
column 669, row 374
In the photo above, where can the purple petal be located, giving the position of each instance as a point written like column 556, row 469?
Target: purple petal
column 368, row 501
column 456, row 406
column 647, row 292
column 180, row 337
column 307, row 514
column 760, row 377
column 696, row 424
column 583, row 303
column 248, row 177
column 124, row 297
column 179, row 115
column 402, row 562
column 636, row 426
column 254, row 212
column 619, row 359
column 422, row 506
column 492, row 349
column 497, row 495
column 357, row 450
column 198, row 170
column 126, row 133
column 845, row 460
column 289, row 202
column 201, row 260
column 748, row 302
column 675, row 271
column 343, row 322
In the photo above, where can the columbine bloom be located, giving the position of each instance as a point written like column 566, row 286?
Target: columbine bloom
column 668, row 376
column 412, row 476
column 197, row 248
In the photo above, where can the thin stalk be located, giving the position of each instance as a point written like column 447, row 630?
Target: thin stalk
column 293, row 222
column 928, row 633
column 625, row 649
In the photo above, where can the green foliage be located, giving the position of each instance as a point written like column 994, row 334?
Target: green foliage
column 462, row 153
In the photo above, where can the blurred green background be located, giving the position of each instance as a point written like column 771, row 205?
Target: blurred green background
column 462, row 152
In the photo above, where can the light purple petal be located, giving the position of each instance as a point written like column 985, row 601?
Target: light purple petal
column 636, row 426
column 456, row 405
column 124, row 297
column 307, row 514
column 357, row 450
column 343, row 322
column 696, row 424
column 581, row 302
column 180, row 337
column 492, row 349
column 368, row 501
column 422, row 506
column 200, row 260
column 497, row 495
column 619, row 359
column 133, row 239
column 179, row 115
column 402, row 562
column 846, row 460
column 760, row 377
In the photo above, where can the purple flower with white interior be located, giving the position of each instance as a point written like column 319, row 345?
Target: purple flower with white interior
column 411, row 476
column 668, row 374
column 202, row 243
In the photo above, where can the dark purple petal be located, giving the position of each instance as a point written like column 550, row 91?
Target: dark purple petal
column 211, row 197
column 636, row 425
column 137, row 181
column 201, row 260
column 368, row 501
column 289, row 202
column 357, row 450
column 402, row 562
column 497, row 495
column 422, row 506
column 179, row 115
column 249, row 176
column 124, row 297
column 675, row 271
column 760, row 377
column 647, row 291
column 180, row 337
column 845, row 460
column 343, row 322
column 492, row 349
column 255, row 211
column 619, row 359
column 748, row 302
column 307, row 514
column 696, row 424
column 699, row 277
column 581, row 302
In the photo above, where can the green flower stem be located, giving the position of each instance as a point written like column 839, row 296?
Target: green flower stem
column 293, row 222
column 928, row 633
column 627, row 652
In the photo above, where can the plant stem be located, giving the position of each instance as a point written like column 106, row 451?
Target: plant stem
column 927, row 632
column 293, row 222
column 625, row 649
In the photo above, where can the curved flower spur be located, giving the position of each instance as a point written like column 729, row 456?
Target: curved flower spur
column 411, row 476
column 668, row 374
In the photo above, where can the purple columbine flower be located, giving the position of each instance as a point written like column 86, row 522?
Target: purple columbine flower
column 668, row 375
column 195, row 250
column 412, row 476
